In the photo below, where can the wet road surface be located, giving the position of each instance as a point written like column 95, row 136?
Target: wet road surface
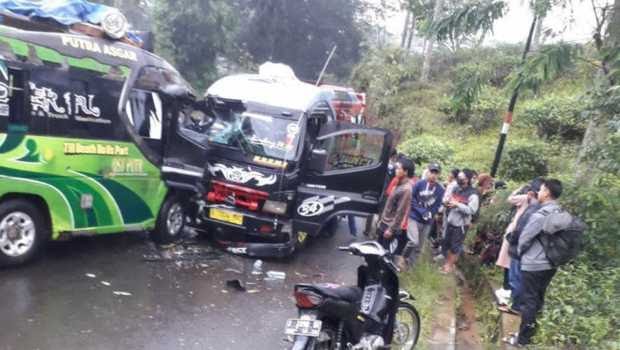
column 121, row 292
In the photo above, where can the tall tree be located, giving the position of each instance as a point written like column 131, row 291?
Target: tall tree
column 302, row 33
column 192, row 34
column 428, row 49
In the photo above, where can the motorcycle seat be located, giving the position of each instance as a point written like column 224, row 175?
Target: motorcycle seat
column 350, row 294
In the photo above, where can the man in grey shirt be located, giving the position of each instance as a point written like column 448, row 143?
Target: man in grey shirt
column 536, row 269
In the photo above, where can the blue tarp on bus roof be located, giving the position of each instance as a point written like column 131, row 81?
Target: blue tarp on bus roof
column 65, row 12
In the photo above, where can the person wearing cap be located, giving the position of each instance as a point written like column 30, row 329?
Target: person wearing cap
column 425, row 203
column 463, row 205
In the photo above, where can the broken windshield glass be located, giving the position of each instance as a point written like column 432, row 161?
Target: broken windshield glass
column 256, row 133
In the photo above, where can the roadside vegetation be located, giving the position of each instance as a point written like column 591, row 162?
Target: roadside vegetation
column 565, row 126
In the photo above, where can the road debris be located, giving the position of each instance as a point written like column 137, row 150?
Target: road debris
column 257, row 268
column 236, row 285
column 276, row 275
column 106, row 283
column 91, row 275
column 119, row 293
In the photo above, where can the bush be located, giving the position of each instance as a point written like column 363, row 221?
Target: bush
column 524, row 162
column 556, row 116
column 581, row 308
column 598, row 206
column 425, row 149
column 486, row 111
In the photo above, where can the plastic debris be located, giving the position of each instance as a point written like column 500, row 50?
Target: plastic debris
column 125, row 294
column 276, row 275
column 257, row 268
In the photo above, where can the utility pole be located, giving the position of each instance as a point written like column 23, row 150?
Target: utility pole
column 511, row 106
column 329, row 58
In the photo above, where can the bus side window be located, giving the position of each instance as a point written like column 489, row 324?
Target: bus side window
column 145, row 112
column 14, row 108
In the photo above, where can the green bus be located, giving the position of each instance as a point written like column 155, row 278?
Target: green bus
column 84, row 127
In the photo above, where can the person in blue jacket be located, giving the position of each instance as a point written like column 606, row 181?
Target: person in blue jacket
column 425, row 203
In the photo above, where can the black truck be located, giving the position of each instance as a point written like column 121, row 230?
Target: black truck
column 279, row 167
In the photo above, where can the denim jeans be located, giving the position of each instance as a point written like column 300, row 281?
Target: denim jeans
column 352, row 227
column 514, row 278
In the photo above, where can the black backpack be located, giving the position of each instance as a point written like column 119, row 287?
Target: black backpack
column 561, row 237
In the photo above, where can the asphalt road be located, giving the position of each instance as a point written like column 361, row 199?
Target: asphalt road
column 175, row 298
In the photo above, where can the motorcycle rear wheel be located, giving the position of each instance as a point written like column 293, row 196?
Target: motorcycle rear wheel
column 406, row 327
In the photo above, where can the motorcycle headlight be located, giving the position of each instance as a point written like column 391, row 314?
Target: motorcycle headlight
column 275, row 207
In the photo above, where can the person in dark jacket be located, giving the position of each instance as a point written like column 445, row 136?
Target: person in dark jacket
column 396, row 207
column 425, row 203
column 536, row 270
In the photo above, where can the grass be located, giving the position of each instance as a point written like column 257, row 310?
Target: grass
column 426, row 285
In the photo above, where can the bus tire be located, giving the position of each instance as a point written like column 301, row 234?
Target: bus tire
column 23, row 231
column 170, row 221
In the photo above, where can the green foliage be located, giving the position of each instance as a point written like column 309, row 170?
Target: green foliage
column 556, row 115
column 425, row 149
column 605, row 109
column 581, row 308
column 302, row 33
column 545, row 65
column 524, row 161
column 469, row 80
column 496, row 216
column 598, row 205
column 467, row 19
column 192, row 34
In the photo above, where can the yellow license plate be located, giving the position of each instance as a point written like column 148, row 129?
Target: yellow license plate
column 226, row 216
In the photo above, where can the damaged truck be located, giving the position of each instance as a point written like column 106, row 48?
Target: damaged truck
column 280, row 167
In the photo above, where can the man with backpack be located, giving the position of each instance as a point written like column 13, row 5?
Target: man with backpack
column 536, row 269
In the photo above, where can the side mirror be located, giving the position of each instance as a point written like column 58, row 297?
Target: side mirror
column 317, row 160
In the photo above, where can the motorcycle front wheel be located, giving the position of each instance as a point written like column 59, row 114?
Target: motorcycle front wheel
column 406, row 327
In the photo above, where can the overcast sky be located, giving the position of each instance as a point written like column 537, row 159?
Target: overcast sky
column 574, row 23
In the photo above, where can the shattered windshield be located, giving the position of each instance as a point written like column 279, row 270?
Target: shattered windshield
column 256, row 133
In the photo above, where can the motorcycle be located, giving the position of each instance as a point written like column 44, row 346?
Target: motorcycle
column 373, row 315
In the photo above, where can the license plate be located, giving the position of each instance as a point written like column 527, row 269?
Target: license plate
column 308, row 328
column 226, row 216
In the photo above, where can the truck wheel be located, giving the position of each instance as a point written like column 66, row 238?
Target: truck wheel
column 23, row 231
column 170, row 221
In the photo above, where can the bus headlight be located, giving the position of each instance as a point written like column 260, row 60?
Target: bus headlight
column 274, row 207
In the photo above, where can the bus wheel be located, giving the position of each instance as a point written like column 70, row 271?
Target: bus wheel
column 23, row 231
column 170, row 221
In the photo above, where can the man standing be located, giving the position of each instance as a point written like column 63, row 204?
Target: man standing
column 396, row 207
column 536, row 269
column 425, row 203
column 463, row 205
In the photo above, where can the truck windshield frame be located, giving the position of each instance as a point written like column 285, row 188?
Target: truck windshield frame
column 263, row 134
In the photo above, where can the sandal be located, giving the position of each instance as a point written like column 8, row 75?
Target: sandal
column 507, row 309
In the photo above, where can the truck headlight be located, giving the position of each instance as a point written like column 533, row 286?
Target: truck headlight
column 274, row 207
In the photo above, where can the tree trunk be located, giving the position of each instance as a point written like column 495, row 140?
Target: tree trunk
column 538, row 34
column 411, row 33
column 428, row 54
column 597, row 131
column 403, row 39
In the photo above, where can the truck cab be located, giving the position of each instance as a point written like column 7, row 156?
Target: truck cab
column 279, row 166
